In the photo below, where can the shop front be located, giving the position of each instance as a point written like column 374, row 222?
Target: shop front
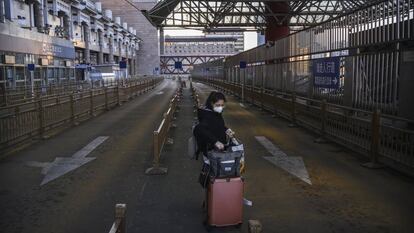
column 53, row 59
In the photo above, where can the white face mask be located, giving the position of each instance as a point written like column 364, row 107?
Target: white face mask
column 218, row 109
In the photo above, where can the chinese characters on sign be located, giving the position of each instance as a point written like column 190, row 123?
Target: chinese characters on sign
column 326, row 72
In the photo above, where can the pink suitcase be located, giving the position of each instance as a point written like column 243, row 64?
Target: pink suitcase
column 225, row 202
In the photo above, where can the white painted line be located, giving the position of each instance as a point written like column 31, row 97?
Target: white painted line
column 142, row 190
column 242, row 105
column 82, row 153
column 274, row 150
column 292, row 164
column 63, row 165
column 37, row 164
column 159, row 93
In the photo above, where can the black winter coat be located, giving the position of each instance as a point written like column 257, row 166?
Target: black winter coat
column 210, row 129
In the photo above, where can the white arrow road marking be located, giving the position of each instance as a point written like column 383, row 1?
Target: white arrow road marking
column 63, row 165
column 159, row 93
column 292, row 164
column 242, row 105
column 82, row 153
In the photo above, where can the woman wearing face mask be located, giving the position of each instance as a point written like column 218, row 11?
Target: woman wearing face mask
column 211, row 131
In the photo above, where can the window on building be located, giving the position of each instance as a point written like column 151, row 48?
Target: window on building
column 19, row 73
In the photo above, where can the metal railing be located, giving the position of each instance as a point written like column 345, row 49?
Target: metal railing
column 45, row 114
column 374, row 44
column 22, row 94
column 195, row 96
column 160, row 136
column 367, row 132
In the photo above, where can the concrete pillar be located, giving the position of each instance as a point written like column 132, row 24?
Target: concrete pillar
column 86, row 34
column 101, row 46
column 39, row 17
column 134, row 65
column 126, row 51
column 120, row 49
column 136, row 62
column 162, row 41
column 274, row 29
column 2, row 13
column 67, row 24
column 111, row 49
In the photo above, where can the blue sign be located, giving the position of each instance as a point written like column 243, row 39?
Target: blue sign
column 243, row 64
column 57, row 50
column 178, row 65
column 122, row 64
column 207, row 69
column 326, row 72
column 31, row 67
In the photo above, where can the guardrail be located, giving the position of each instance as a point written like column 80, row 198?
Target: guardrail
column 384, row 138
column 119, row 225
column 32, row 119
column 22, row 94
column 160, row 136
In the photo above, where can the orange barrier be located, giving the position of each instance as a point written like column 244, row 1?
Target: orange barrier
column 119, row 225
column 160, row 136
column 195, row 96
column 35, row 118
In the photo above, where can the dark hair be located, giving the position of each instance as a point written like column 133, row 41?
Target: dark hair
column 213, row 98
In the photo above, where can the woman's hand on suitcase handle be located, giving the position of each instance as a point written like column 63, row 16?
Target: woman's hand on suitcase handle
column 219, row 145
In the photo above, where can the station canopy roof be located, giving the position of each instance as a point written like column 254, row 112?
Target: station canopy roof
column 248, row 15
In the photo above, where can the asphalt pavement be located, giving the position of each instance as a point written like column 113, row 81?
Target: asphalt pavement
column 295, row 185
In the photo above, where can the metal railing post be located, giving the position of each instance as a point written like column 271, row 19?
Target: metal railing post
column 293, row 110
column 375, row 140
column 41, row 118
column 262, row 99
column 106, row 98
column 156, row 161
column 321, row 138
column 242, row 87
column 91, row 103
column 72, row 109
column 252, row 93
column 118, row 98
column 274, row 103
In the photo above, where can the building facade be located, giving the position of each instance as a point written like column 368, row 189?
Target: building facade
column 200, row 45
column 239, row 35
column 65, row 39
column 191, row 50
column 148, row 54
